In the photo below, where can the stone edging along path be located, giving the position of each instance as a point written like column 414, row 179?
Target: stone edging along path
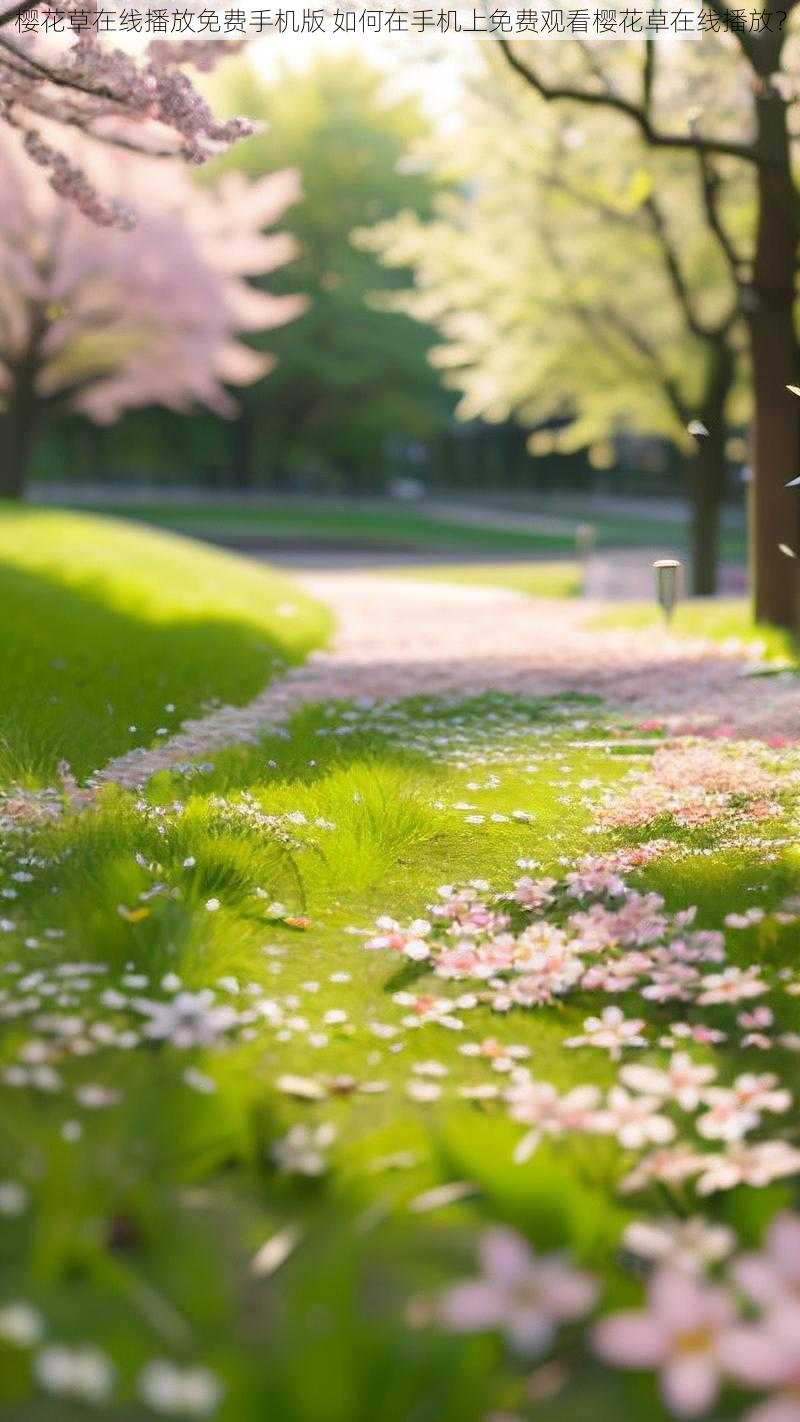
column 399, row 637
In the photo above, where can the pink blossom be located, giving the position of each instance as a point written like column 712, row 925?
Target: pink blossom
column 670, row 1166
column 731, row 985
column 681, row 1333
column 112, row 321
column 682, row 1081
column 690, row 1245
column 772, row 1277
column 537, row 1104
column 634, row 1120
column 737, row 1110
column 611, row 1031
column 524, row 1295
column 534, row 893
column 757, row 1165
column 767, row 1355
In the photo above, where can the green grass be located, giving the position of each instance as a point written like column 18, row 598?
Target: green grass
column 536, row 579
column 397, row 526
column 142, row 1234
column 720, row 619
column 112, row 632
column 323, row 523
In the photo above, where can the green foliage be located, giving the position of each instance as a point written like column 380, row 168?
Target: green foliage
column 106, row 626
column 545, row 270
column 146, row 1230
column 349, row 379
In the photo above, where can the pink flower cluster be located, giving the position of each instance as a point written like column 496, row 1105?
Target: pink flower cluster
column 548, row 938
column 697, row 1334
column 96, row 88
column 637, row 1113
column 697, row 783
column 694, row 1332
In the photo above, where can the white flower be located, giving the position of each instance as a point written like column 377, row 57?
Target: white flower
column 732, row 985
column 303, row 1150
column 21, row 1325
column 690, row 1244
column 757, row 1165
column 738, row 1110
column 682, row 1080
column 83, row 1372
column 634, row 1120
column 198, row 1081
column 537, row 1104
column 13, row 1198
column 179, row 1392
column 190, row 1019
column 612, row 1031
column 95, row 1097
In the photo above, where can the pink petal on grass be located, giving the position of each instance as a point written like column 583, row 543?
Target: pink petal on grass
column 783, row 1408
column 783, row 1242
column 570, row 1294
column 690, row 1383
column 505, row 1255
column 629, row 1340
column 472, row 1306
column 530, row 1330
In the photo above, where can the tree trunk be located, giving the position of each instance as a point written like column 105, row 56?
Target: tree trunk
column 775, row 511
column 707, row 472
column 17, row 434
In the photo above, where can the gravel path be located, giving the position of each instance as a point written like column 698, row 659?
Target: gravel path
column 399, row 637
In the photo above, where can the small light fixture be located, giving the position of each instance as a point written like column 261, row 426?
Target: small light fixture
column 666, row 571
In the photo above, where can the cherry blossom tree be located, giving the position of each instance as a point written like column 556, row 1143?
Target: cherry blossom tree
column 100, row 321
column 58, row 67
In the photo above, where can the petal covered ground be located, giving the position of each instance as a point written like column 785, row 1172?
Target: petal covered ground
column 399, row 637
column 419, row 1041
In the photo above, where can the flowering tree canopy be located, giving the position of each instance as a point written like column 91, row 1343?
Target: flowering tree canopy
column 76, row 79
column 104, row 321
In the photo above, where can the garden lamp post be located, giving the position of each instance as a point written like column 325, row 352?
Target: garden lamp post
column 585, row 539
column 666, row 571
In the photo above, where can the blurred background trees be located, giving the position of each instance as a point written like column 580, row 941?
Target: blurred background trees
column 577, row 293
column 98, row 321
column 351, row 381
column 556, row 287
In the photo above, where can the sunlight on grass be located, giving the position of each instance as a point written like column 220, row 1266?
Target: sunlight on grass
column 535, row 579
column 114, row 633
column 719, row 619
column 253, row 878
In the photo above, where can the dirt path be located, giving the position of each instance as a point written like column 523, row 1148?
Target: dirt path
column 399, row 637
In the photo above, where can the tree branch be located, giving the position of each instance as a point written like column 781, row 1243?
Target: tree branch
column 710, row 185
column 683, row 296
column 692, row 143
column 54, row 76
column 8, row 16
column 594, row 320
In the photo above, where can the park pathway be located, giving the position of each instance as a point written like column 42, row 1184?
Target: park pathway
column 399, row 637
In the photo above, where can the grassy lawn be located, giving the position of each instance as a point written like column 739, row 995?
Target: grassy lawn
column 536, row 579
column 331, row 523
column 411, row 528
column 281, row 1182
column 720, row 619
column 113, row 634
